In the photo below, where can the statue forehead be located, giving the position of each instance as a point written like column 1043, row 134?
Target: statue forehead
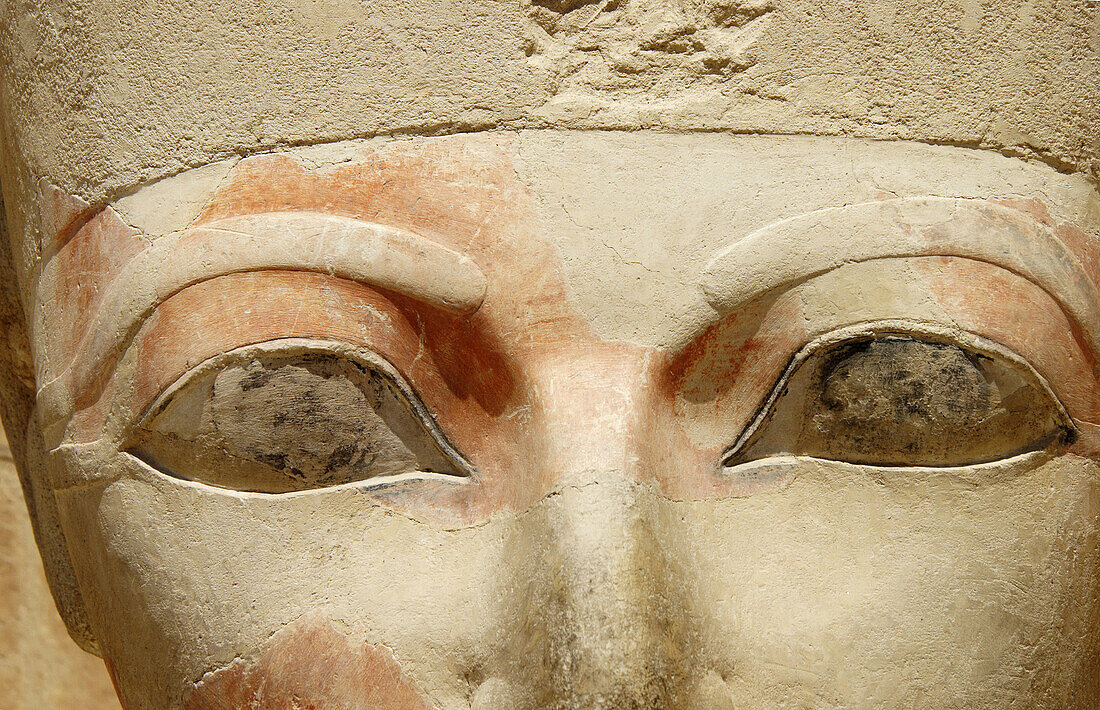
column 628, row 221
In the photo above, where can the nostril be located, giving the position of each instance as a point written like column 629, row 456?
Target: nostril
column 474, row 677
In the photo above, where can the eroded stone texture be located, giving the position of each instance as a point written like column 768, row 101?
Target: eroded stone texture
column 1016, row 75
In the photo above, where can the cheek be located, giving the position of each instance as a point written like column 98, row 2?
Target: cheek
column 928, row 592
column 310, row 665
column 184, row 583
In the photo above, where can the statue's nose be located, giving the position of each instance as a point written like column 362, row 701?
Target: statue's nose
column 592, row 615
column 599, row 619
column 615, row 641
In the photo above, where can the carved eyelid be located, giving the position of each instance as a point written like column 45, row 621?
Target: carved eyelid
column 362, row 358
column 925, row 331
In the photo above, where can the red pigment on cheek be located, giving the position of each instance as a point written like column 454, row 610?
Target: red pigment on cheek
column 310, row 665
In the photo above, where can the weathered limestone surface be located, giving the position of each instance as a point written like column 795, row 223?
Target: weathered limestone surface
column 115, row 94
column 560, row 354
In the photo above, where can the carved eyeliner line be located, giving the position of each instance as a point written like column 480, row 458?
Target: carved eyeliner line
column 783, row 469
column 370, row 485
column 373, row 485
column 420, row 410
column 883, row 328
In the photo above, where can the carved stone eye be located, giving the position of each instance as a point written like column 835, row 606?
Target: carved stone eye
column 900, row 401
column 278, row 422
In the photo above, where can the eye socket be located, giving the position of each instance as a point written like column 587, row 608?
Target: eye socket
column 276, row 421
column 899, row 400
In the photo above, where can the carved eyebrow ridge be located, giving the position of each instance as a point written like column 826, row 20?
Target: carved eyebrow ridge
column 349, row 248
column 789, row 252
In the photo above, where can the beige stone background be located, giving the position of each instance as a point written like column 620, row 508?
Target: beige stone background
column 41, row 668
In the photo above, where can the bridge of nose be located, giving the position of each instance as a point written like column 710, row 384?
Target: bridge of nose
column 600, row 594
column 594, row 406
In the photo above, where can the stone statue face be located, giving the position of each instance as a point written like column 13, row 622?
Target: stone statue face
column 560, row 354
column 556, row 419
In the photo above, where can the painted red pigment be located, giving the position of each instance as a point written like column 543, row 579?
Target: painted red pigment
column 731, row 367
column 469, row 355
column 525, row 364
column 81, row 273
column 1007, row 309
column 1081, row 243
column 234, row 310
column 479, row 374
column 310, row 665
column 62, row 215
column 485, row 376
